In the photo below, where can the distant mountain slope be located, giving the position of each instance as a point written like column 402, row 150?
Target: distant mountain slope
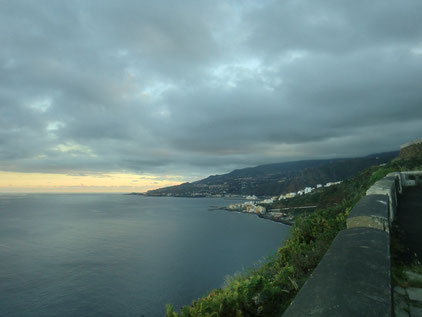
column 275, row 179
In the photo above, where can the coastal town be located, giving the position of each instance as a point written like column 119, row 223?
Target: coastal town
column 268, row 207
column 264, row 208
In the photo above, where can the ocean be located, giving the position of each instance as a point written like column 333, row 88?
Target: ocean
column 121, row 255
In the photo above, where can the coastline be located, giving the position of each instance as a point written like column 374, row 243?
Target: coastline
column 273, row 216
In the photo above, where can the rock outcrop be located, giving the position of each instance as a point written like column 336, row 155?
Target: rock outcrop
column 411, row 150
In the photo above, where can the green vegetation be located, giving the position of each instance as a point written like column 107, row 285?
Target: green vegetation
column 311, row 199
column 269, row 289
column 402, row 262
column 266, row 291
column 273, row 179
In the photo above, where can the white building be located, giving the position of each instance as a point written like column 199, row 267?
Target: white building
column 267, row 201
column 291, row 195
column 250, row 208
column 235, row 207
column 260, row 210
column 332, row 183
column 256, row 209
column 307, row 190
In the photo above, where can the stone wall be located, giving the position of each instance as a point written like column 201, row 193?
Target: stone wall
column 354, row 276
column 410, row 179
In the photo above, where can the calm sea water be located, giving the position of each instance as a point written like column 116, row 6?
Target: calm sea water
column 117, row 255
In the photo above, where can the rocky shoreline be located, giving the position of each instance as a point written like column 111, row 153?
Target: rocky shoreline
column 275, row 216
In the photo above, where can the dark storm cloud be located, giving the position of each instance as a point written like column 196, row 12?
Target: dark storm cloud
column 200, row 87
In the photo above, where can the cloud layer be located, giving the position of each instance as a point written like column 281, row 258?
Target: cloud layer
column 196, row 87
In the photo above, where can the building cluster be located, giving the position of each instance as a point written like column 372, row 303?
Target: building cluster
column 253, row 205
column 249, row 207
column 259, row 207
column 306, row 190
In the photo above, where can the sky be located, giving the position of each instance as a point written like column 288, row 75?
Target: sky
column 121, row 96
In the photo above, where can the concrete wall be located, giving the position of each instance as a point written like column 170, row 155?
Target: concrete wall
column 371, row 211
column 354, row 276
column 413, row 178
column 399, row 179
column 387, row 186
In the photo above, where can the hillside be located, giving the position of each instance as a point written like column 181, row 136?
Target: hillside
column 275, row 179
column 411, row 150
column 268, row 289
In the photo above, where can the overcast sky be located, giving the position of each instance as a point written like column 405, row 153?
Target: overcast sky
column 192, row 88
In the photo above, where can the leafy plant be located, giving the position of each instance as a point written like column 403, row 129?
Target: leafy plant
column 268, row 289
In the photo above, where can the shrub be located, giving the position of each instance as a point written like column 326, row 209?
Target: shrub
column 269, row 289
column 381, row 173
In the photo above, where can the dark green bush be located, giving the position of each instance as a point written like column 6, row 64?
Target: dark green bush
column 268, row 289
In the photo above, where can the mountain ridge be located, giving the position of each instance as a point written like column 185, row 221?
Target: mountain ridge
column 275, row 178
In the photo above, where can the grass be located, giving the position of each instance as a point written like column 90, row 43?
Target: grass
column 403, row 261
column 268, row 289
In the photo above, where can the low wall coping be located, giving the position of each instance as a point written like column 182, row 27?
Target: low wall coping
column 407, row 178
column 399, row 178
column 386, row 186
column 352, row 279
column 371, row 211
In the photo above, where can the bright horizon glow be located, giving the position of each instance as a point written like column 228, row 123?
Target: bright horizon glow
column 18, row 182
